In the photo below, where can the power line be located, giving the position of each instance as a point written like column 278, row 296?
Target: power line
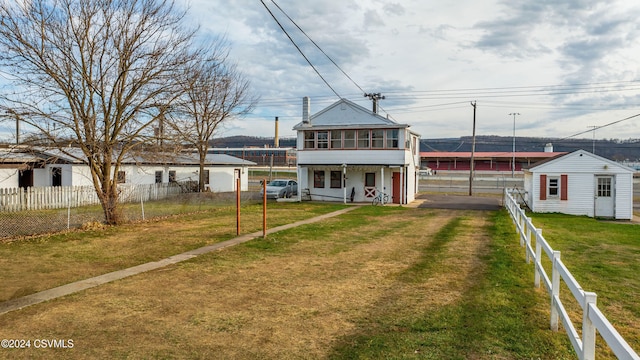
column 299, row 50
column 594, row 128
column 317, row 46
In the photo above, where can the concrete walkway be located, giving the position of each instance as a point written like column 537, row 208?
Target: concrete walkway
column 22, row 302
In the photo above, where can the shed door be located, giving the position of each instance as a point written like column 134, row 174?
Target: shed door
column 604, row 204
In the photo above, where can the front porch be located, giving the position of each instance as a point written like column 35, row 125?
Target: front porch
column 356, row 183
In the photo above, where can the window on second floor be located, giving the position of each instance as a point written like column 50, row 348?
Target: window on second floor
column 392, row 138
column 323, row 139
column 336, row 139
column 349, row 139
column 309, row 139
column 377, row 138
column 364, row 139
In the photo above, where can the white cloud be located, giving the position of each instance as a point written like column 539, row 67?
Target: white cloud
column 431, row 58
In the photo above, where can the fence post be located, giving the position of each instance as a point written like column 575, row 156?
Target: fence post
column 588, row 329
column 527, row 239
column 538, row 260
column 555, row 290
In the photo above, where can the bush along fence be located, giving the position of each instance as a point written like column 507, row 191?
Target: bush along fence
column 60, row 197
column 592, row 317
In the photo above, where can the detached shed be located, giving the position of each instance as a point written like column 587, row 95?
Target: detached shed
column 580, row 183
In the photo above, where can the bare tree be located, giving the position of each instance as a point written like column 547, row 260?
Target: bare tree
column 213, row 93
column 91, row 72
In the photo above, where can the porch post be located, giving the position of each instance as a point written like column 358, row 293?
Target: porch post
column 382, row 184
column 402, row 187
column 344, row 183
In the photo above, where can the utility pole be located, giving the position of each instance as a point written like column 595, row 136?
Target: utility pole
column 593, row 146
column 375, row 97
column 473, row 149
column 513, row 161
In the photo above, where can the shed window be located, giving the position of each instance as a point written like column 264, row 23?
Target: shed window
column 122, row 178
column 158, row 177
column 604, row 187
column 553, row 187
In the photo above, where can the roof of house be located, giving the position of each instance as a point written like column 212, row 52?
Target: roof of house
column 75, row 156
column 577, row 153
column 346, row 113
column 488, row 154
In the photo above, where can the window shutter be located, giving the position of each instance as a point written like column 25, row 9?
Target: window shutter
column 564, row 183
column 543, row 187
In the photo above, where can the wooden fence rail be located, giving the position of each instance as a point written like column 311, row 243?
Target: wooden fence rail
column 60, row 197
column 592, row 318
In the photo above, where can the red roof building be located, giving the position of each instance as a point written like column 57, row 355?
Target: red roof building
column 483, row 161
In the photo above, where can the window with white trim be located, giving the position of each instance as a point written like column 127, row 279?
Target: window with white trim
column 553, row 186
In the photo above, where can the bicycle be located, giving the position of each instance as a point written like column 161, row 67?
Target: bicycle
column 381, row 198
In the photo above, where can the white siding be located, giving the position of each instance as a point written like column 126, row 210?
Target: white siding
column 624, row 197
column 360, row 157
column 581, row 168
column 580, row 195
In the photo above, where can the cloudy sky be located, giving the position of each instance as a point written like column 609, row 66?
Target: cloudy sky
column 563, row 65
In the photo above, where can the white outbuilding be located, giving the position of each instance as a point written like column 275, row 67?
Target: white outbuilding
column 580, row 183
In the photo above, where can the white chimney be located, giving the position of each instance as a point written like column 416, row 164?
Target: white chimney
column 306, row 108
column 548, row 147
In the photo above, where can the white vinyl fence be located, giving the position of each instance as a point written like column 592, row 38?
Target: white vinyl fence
column 592, row 318
column 60, row 197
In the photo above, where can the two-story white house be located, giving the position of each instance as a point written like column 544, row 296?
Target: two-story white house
column 349, row 153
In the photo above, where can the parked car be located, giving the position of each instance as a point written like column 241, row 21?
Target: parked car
column 281, row 188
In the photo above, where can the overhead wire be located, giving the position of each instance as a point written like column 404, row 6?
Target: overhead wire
column 318, row 47
column 299, row 50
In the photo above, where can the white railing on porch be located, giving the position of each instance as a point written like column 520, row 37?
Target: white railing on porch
column 59, row 197
column 592, row 317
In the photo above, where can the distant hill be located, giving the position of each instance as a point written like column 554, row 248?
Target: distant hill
column 613, row 149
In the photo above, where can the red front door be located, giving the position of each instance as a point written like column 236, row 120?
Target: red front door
column 395, row 193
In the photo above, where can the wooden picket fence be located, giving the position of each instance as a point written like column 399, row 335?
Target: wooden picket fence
column 60, row 197
column 593, row 319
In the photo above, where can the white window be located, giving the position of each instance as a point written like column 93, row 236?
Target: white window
column 553, row 188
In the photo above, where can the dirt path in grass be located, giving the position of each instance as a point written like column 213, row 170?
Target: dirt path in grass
column 244, row 303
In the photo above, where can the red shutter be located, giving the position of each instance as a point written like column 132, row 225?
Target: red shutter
column 564, row 183
column 543, row 187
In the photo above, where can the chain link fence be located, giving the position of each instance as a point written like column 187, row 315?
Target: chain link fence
column 133, row 207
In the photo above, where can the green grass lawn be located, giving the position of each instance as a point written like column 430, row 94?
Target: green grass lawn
column 604, row 257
